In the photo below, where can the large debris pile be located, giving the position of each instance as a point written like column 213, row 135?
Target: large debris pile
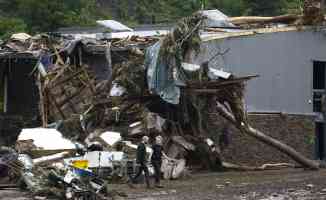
column 173, row 101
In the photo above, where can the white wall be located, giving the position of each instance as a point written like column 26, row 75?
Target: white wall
column 284, row 62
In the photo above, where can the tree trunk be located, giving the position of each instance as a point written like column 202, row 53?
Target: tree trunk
column 261, row 20
column 245, row 128
column 292, row 153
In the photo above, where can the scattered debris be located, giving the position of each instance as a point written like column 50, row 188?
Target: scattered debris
column 107, row 94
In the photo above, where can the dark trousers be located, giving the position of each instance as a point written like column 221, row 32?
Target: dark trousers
column 157, row 170
column 142, row 168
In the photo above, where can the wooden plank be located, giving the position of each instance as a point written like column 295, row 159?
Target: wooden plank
column 259, row 19
column 72, row 96
column 185, row 144
column 250, row 32
column 218, row 83
column 65, row 79
column 203, row 91
column 58, row 107
column 42, row 101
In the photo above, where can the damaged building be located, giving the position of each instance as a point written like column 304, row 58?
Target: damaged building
column 284, row 101
column 19, row 94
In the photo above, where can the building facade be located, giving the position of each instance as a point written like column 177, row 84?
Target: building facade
column 288, row 94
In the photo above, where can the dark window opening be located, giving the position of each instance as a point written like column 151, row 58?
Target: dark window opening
column 319, row 75
column 317, row 105
column 320, row 145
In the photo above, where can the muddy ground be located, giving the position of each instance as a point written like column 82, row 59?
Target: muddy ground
column 267, row 185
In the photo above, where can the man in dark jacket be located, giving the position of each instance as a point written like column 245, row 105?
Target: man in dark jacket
column 142, row 161
column 156, row 160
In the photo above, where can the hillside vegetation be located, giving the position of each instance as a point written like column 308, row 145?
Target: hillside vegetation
column 34, row 16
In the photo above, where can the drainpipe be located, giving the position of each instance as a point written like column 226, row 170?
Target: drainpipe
column 5, row 94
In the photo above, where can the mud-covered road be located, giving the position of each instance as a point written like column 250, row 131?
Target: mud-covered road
column 273, row 185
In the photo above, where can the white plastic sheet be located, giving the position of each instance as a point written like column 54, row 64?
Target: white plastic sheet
column 190, row 67
column 20, row 37
column 117, row 90
column 103, row 158
column 46, row 138
column 219, row 73
column 114, row 25
column 111, row 137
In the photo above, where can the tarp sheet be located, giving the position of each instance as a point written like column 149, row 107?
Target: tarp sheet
column 159, row 80
column 216, row 18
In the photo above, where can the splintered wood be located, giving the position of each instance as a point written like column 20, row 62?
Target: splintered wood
column 66, row 92
column 313, row 12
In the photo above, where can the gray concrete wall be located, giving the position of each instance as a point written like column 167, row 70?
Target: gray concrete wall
column 284, row 62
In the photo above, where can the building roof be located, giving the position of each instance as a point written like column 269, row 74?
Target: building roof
column 218, row 34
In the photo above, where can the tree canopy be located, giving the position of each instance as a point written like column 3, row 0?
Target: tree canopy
column 46, row 15
column 34, row 16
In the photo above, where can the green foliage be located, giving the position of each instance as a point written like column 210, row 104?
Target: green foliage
column 48, row 15
column 8, row 26
column 265, row 7
column 293, row 6
column 229, row 7
column 150, row 11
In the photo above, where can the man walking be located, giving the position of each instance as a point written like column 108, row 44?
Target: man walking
column 142, row 161
column 156, row 160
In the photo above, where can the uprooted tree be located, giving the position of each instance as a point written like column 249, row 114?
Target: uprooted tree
column 188, row 121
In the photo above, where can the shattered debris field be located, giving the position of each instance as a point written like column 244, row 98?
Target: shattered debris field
column 102, row 111
column 274, row 185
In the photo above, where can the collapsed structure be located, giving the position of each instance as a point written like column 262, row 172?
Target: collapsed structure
column 140, row 86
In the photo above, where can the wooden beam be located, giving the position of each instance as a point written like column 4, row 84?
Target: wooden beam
column 203, row 91
column 218, row 83
column 58, row 107
column 262, row 20
column 71, row 97
column 66, row 79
